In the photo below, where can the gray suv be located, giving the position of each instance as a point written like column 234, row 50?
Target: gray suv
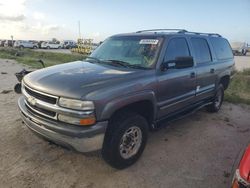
column 125, row 88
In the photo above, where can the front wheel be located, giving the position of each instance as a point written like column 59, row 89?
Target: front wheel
column 17, row 88
column 217, row 101
column 125, row 140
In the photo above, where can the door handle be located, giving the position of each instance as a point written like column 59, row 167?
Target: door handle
column 192, row 75
column 212, row 70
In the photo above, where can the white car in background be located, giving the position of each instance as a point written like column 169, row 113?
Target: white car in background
column 239, row 48
column 25, row 44
column 52, row 45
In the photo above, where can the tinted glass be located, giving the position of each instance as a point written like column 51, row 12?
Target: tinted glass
column 201, row 50
column 222, row 48
column 176, row 48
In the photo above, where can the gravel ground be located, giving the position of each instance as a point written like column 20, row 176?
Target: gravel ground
column 197, row 151
column 242, row 62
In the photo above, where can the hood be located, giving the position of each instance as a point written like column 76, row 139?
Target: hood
column 76, row 79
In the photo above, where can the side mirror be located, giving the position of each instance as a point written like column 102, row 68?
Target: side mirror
column 178, row 63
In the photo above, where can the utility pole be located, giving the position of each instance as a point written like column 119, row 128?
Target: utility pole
column 79, row 28
column 11, row 40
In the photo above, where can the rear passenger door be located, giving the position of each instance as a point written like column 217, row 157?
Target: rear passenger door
column 176, row 87
column 205, row 68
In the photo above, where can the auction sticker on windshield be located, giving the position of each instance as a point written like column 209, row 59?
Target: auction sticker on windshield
column 149, row 41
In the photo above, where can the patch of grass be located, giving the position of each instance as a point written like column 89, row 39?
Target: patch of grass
column 239, row 88
column 30, row 57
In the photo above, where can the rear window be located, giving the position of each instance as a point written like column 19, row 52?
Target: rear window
column 222, row 48
column 201, row 50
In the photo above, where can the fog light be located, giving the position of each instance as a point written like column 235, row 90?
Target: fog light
column 77, row 121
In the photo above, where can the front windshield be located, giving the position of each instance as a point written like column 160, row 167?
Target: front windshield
column 132, row 50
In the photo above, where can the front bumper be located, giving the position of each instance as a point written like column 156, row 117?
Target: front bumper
column 82, row 139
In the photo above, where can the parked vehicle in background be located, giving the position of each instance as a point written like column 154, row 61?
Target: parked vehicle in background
column 125, row 88
column 25, row 44
column 239, row 48
column 52, row 45
column 248, row 47
column 68, row 44
column 242, row 174
column 39, row 43
column 9, row 43
column 2, row 43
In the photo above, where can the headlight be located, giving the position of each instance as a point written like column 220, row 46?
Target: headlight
column 77, row 121
column 76, row 104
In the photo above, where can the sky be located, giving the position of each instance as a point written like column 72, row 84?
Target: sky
column 46, row 19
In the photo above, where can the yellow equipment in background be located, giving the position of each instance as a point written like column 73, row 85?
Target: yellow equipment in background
column 84, row 46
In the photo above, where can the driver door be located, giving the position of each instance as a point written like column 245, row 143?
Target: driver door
column 176, row 87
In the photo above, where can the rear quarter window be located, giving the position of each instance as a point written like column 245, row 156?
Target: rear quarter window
column 222, row 48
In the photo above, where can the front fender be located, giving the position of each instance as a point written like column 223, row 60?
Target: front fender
column 123, row 101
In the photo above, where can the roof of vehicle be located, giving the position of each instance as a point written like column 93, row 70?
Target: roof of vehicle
column 166, row 32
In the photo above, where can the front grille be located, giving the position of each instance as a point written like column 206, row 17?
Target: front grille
column 47, row 112
column 30, row 110
column 33, row 97
column 42, row 97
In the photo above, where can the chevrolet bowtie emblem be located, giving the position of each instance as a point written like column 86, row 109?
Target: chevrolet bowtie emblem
column 32, row 100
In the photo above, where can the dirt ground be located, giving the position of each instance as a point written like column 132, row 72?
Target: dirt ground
column 197, row 151
column 242, row 62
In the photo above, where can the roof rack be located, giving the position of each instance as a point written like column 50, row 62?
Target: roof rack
column 178, row 31
column 162, row 30
column 206, row 34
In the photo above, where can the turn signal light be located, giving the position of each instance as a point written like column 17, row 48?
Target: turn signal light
column 87, row 121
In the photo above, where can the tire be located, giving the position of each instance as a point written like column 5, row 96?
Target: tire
column 217, row 101
column 17, row 88
column 118, row 136
column 34, row 47
column 59, row 47
column 48, row 47
column 21, row 47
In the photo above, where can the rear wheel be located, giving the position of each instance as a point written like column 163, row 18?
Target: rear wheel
column 48, row 47
column 217, row 101
column 125, row 140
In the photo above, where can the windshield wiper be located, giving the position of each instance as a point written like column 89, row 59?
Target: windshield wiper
column 117, row 62
column 94, row 58
column 125, row 64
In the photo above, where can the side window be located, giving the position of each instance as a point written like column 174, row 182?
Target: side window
column 177, row 47
column 222, row 48
column 201, row 50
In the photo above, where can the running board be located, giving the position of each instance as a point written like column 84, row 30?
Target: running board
column 180, row 115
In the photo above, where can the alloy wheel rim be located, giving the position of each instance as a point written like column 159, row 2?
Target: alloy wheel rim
column 130, row 142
